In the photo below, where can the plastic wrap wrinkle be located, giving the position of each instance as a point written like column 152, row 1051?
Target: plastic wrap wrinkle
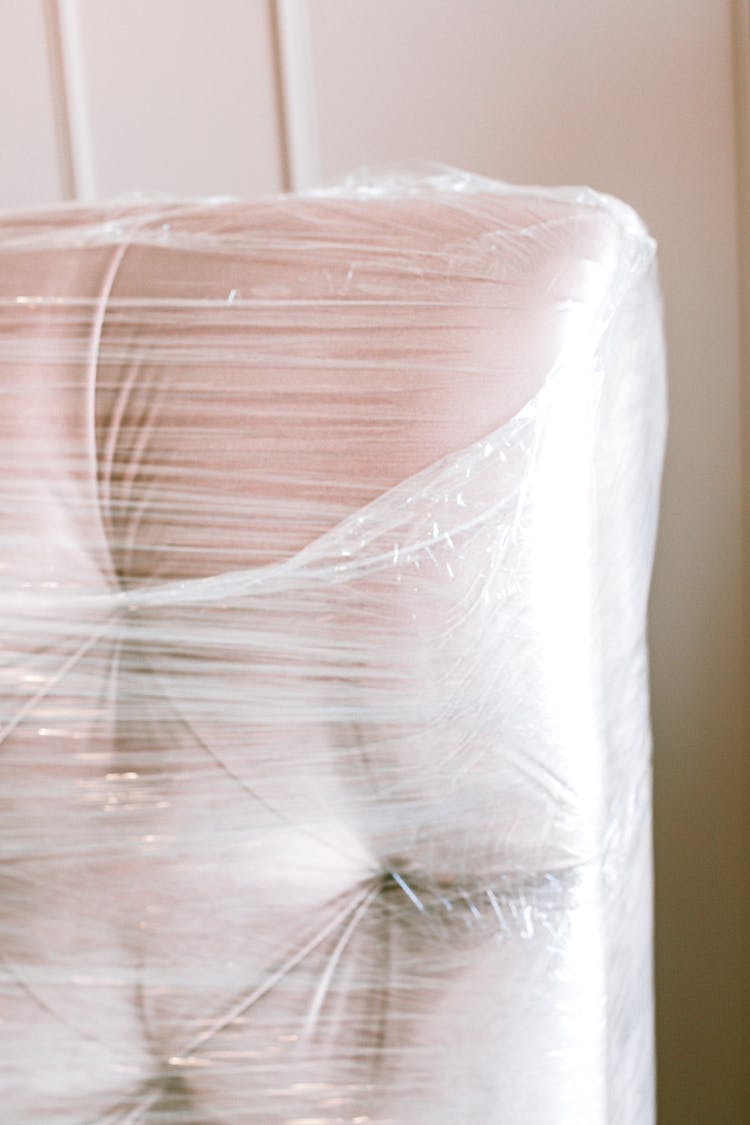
column 327, row 528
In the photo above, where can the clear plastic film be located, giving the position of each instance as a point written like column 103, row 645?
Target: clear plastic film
column 327, row 525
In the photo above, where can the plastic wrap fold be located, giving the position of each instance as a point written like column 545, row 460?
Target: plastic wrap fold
column 327, row 525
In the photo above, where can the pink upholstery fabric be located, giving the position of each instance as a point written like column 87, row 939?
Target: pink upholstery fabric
column 337, row 835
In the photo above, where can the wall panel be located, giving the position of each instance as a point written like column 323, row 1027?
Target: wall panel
column 181, row 96
column 29, row 166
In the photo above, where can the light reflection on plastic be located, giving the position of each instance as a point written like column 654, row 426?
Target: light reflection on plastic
column 560, row 577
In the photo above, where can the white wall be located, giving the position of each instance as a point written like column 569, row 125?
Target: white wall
column 636, row 97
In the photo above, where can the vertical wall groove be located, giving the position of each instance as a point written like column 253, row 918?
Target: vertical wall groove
column 59, row 99
column 65, row 51
column 297, row 95
column 281, row 123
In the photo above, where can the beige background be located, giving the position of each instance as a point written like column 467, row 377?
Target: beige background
column 647, row 99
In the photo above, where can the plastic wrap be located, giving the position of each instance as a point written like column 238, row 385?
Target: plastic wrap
column 327, row 525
